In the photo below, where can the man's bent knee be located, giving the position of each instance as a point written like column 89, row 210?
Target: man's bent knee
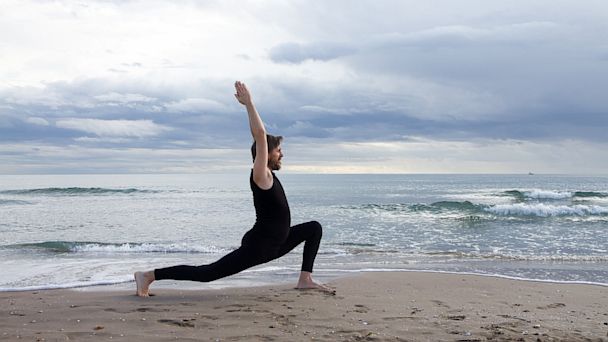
column 316, row 228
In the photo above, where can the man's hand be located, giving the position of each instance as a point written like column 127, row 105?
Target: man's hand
column 242, row 93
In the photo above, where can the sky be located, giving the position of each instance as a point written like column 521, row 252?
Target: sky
column 454, row 86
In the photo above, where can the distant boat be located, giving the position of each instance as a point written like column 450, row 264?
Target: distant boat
column 530, row 174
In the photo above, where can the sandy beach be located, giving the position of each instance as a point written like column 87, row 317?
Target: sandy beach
column 383, row 306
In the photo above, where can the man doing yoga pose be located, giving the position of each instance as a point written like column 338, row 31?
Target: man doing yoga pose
column 271, row 236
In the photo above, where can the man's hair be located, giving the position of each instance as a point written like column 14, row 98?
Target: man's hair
column 273, row 141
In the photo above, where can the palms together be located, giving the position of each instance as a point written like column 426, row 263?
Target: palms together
column 242, row 93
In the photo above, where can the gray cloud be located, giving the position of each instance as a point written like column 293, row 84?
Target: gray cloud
column 196, row 105
column 37, row 121
column 297, row 53
column 113, row 128
column 525, row 79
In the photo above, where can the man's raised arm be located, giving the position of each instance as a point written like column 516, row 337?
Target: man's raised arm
column 261, row 174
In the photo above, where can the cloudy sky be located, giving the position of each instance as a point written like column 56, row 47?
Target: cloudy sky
column 354, row 86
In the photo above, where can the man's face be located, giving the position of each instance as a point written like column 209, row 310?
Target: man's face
column 274, row 158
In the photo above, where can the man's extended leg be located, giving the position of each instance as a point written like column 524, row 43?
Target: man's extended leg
column 232, row 263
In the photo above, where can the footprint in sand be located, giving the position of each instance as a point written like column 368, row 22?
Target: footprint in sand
column 360, row 308
column 263, row 299
column 186, row 323
column 397, row 318
column 551, row 306
column 151, row 310
column 415, row 311
column 230, row 305
column 241, row 308
column 440, row 303
column 515, row 317
column 142, row 309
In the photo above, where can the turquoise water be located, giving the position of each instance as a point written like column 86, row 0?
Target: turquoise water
column 84, row 230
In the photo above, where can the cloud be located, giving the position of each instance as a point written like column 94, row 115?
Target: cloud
column 524, row 33
column 114, row 128
column 119, row 98
column 296, row 53
column 102, row 140
column 195, row 105
column 37, row 121
column 305, row 129
column 440, row 37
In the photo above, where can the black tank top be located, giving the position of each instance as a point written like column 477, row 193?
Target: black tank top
column 272, row 211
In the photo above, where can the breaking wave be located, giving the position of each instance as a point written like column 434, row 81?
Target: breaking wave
column 538, row 194
column 13, row 202
column 73, row 191
column 475, row 212
column 115, row 248
column 546, row 210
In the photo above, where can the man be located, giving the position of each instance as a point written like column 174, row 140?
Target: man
column 271, row 236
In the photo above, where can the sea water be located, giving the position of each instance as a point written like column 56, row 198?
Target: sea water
column 62, row 231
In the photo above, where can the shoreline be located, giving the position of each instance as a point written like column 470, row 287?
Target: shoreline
column 395, row 306
column 181, row 285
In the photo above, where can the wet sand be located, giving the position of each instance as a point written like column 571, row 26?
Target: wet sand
column 382, row 306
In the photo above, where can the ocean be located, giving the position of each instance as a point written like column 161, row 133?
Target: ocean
column 94, row 231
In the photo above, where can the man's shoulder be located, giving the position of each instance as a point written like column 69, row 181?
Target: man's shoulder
column 264, row 181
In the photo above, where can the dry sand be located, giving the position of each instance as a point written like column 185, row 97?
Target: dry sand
column 399, row 306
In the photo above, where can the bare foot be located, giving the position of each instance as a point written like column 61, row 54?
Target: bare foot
column 143, row 281
column 307, row 283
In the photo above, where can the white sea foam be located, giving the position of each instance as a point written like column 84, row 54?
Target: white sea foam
column 523, row 257
column 145, row 248
column 547, row 194
column 546, row 210
column 492, row 275
column 65, row 286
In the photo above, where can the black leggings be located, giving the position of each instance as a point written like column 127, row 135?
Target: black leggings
column 251, row 253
